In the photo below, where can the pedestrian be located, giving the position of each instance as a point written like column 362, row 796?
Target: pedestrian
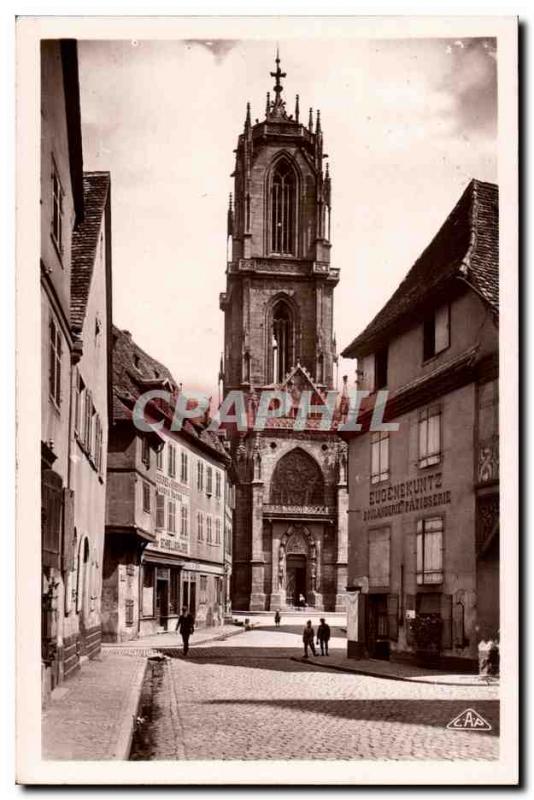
column 302, row 601
column 308, row 636
column 186, row 626
column 323, row 635
column 277, row 619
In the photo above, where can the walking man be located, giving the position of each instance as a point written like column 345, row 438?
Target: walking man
column 308, row 635
column 277, row 619
column 186, row 627
column 323, row 635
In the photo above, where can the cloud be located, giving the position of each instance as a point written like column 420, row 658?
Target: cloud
column 472, row 82
column 218, row 47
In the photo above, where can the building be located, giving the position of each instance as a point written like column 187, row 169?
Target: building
column 291, row 497
column 91, row 401
column 424, row 500
column 167, row 516
column 75, row 316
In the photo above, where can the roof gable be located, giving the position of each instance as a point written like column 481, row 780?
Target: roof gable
column 466, row 247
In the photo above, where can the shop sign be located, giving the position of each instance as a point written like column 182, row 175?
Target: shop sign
column 168, row 487
column 412, row 495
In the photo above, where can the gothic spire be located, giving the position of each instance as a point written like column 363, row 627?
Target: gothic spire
column 297, row 109
column 230, row 218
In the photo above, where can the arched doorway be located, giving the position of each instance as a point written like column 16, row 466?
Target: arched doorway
column 298, row 566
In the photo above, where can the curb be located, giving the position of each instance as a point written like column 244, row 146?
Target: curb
column 123, row 740
column 370, row 674
column 131, row 648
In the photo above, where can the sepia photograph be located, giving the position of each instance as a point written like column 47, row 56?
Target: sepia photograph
column 276, row 298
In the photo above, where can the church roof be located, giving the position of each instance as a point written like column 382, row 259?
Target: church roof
column 465, row 248
column 85, row 238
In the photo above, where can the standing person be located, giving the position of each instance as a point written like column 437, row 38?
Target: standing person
column 186, row 626
column 277, row 619
column 302, row 601
column 323, row 635
column 308, row 635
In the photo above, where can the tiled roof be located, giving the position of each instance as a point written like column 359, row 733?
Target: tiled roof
column 466, row 247
column 134, row 372
column 85, row 243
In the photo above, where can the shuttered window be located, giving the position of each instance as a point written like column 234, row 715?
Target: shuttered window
column 57, row 210
column 379, row 456
column 172, row 461
column 436, row 332
column 184, row 522
column 160, row 510
column 172, row 516
column 429, row 551
column 429, row 436
column 183, row 467
column 146, row 497
column 55, row 353
column 209, row 480
column 51, row 517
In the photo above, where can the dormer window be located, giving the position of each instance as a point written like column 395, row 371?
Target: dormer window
column 381, row 369
column 283, row 201
column 436, row 332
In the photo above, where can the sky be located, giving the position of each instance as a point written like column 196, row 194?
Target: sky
column 406, row 124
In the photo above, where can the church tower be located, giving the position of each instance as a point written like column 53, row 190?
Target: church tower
column 289, row 539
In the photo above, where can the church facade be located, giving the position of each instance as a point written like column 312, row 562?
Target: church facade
column 290, row 525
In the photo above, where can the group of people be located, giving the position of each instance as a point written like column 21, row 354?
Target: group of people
column 308, row 635
column 186, row 626
column 323, row 637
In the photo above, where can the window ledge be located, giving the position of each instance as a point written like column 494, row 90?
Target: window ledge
column 428, row 466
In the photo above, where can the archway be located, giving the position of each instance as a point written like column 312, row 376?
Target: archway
column 297, row 560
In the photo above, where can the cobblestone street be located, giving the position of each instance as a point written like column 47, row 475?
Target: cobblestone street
column 248, row 698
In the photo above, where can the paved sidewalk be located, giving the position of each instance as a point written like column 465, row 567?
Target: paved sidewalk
column 395, row 671
column 172, row 640
column 91, row 716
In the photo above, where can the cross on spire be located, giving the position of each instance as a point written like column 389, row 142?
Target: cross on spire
column 277, row 75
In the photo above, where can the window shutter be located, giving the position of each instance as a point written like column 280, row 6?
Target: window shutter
column 68, row 531
column 51, row 518
column 393, row 617
column 446, row 617
column 410, row 606
column 442, row 335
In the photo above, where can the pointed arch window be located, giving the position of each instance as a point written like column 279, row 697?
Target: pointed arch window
column 282, row 341
column 283, row 209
